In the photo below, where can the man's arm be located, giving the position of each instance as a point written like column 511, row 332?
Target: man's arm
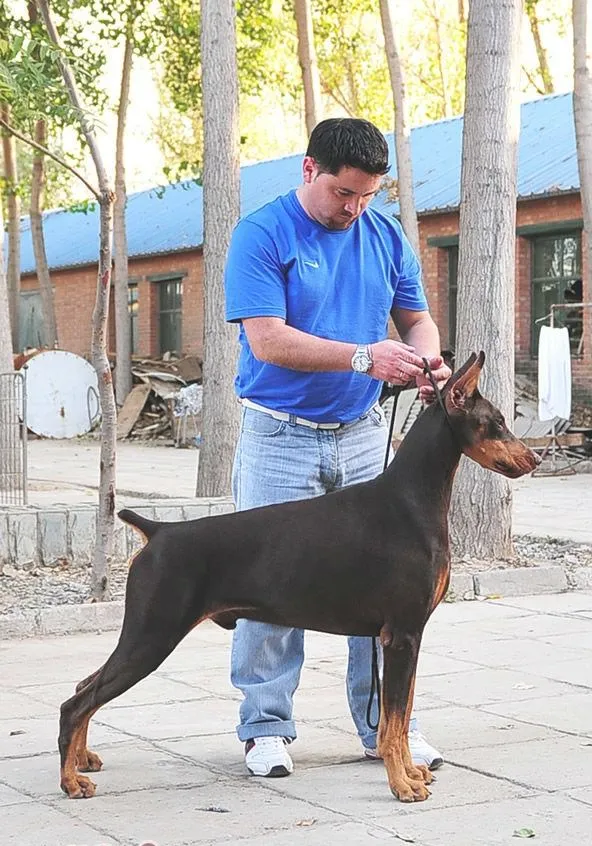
column 273, row 341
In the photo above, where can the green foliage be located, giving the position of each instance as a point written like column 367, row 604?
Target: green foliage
column 434, row 57
column 30, row 76
column 263, row 66
column 351, row 59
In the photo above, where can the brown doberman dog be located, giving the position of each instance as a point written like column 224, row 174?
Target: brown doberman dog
column 370, row 560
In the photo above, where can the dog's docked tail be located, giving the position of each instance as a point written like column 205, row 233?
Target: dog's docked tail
column 142, row 524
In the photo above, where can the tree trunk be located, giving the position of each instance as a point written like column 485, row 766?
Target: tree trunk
column 35, row 211
column 123, row 332
column 582, row 98
column 482, row 504
column 104, row 546
column 308, row 64
column 13, row 207
column 462, row 11
column 6, row 385
column 221, row 188
column 544, row 70
column 6, row 361
column 402, row 130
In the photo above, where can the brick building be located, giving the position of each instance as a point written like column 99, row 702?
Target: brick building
column 165, row 234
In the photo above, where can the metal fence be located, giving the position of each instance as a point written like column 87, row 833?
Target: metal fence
column 13, row 439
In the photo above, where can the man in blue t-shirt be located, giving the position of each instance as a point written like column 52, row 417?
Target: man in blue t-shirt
column 312, row 279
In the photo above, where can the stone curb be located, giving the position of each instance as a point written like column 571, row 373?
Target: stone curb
column 108, row 616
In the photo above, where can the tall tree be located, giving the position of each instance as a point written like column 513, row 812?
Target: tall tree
column 221, row 184
column 50, row 326
column 123, row 332
column 106, row 517
column 441, row 56
column 482, row 505
column 402, row 128
column 546, row 85
column 36, row 215
column 582, row 97
column 308, row 64
column 13, row 204
column 6, row 362
column 7, row 405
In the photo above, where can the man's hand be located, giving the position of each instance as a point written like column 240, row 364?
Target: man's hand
column 441, row 373
column 395, row 362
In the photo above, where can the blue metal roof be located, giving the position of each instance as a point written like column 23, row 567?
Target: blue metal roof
column 170, row 219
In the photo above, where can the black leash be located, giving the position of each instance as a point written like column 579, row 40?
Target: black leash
column 394, row 391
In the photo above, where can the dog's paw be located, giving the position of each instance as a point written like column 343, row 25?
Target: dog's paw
column 78, row 787
column 88, row 762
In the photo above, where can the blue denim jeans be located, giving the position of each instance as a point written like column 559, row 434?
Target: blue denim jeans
column 275, row 462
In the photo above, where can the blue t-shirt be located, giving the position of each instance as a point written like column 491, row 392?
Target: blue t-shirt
column 335, row 284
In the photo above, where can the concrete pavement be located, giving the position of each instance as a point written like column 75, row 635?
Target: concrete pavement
column 504, row 690
column 67, row 472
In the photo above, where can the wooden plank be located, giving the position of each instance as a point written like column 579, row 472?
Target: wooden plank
column 131, row 409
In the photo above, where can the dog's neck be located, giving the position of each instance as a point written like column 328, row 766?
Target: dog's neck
column 426, row 462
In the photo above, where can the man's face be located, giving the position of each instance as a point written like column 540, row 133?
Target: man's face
column 337, row 200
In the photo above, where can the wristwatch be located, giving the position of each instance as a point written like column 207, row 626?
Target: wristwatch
column 362, row 359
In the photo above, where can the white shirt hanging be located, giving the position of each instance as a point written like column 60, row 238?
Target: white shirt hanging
column 554, row 373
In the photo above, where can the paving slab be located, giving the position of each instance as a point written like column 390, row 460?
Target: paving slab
column 540, row 764
column 42, row 825
column 569, row 713
column 517, row 739
column 215, row 813
column 556, row 820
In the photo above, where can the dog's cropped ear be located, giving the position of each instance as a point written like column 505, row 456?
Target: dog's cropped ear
column 465, row 385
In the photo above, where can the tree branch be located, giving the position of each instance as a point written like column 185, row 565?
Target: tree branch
column 76, row 100
column 50, row 155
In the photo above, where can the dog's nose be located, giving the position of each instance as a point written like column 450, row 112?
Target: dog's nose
column 537, row 458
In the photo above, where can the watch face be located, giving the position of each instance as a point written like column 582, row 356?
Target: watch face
column 361, row 362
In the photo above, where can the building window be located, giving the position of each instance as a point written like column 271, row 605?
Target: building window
column 557, row 278
column 452, row 294
column 132, row 307
column 170, row 315
column 31, row 326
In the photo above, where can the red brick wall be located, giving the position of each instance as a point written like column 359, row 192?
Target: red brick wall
column 75, row 291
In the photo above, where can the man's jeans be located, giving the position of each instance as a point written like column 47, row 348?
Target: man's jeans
column 275, row 462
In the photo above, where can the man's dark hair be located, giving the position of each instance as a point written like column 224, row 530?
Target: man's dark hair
column 349, row 142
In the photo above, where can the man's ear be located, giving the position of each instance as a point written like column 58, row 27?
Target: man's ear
column 309, row 169
column 465, row 386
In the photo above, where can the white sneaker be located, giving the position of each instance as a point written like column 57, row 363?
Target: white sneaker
column 422, row 754
column 268, row 756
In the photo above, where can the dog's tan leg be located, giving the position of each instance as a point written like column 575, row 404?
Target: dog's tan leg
column 87, row 761
column 400, row 659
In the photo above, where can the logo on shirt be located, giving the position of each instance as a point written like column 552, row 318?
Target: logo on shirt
column 312, row 263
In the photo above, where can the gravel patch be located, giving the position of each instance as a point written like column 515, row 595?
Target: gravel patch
column 44, row 587
column 531, row 551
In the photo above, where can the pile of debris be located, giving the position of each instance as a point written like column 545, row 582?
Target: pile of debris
column 165, row 401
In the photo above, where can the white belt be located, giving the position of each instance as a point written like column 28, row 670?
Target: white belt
column 288, row 418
